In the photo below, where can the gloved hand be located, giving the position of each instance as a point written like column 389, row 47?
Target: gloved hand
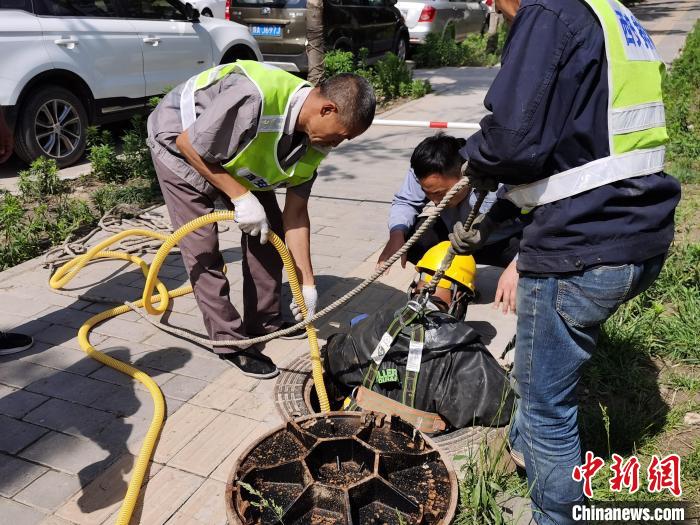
column 479, row 181
column 468, row 241
column 250, row 216
column 310, row 299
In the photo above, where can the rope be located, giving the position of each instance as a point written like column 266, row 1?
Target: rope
column 432, row 217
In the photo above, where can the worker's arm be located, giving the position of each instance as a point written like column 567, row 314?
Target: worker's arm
column 405, row 208
column 214, row 173
column 522, row 132
column 297, row 234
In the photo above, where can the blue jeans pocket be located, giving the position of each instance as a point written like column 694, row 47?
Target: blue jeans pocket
column 589, row 299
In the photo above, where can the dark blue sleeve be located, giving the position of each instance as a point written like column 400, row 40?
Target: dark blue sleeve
column 520, row 133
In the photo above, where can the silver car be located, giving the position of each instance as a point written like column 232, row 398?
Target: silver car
column 455, row 19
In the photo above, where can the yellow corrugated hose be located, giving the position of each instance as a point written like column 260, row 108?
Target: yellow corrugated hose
column 157, row 304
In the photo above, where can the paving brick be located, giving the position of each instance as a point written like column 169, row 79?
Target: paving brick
column 164, row 495
column 70, row 418
column 206, row 506
column 103, row 496
column 180, row 429
column 24, row 307
column 49, row 491
column 15, row 474
column 16, row 323
column 69, row 454
column 125, row 401
column 110, row 375
column 21, row 373
column 211, row 446
column 183, row 387
column 186, row 363
column 16, row 403
column 163, row 340
column 65, row 316
column 224, row 391
column 18, row 514
column 55, row 520
column 71, row 387
column 253, row 405
column 16, row 434
column 116, row 327
column 65, row 336
column 223, row 470
column 61, row 358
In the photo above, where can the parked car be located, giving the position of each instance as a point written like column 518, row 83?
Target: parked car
column 71, row 63
column 455, row 19
column 211, row 8
column 349, row 25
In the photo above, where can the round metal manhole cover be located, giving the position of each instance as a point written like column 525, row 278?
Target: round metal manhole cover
column 295, row 397
column 342, row 468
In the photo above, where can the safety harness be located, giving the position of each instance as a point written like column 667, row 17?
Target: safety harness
column 365, row 398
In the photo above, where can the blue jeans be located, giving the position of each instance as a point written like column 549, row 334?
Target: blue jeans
column 559, row 321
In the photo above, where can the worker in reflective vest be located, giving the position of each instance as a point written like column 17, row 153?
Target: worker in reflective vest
column 231, row 135
column 576, row 133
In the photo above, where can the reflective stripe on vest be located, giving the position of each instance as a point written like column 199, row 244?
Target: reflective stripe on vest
column 636, row 119
column 257, row 166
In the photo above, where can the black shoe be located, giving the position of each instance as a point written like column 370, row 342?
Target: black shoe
column 252, row 363
column 11, row 343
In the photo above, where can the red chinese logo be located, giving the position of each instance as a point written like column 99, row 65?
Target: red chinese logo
column 625, row 474
column 665, row 474
column 586, row 472
column 662, row 473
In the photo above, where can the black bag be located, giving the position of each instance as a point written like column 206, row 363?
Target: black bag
column 458, row 379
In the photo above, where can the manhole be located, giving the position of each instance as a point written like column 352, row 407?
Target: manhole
column 343, row 468
column 296, row 397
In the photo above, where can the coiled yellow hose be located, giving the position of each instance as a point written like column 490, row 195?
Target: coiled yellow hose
column 157, row 304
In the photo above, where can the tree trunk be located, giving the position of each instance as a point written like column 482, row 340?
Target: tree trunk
column 314, row 37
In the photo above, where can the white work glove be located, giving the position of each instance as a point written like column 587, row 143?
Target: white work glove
column 250, row 216
column 310, row 299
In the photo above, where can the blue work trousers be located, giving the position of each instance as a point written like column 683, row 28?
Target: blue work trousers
column 559, row 321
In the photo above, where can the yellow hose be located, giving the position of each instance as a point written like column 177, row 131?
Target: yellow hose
column 157, row 304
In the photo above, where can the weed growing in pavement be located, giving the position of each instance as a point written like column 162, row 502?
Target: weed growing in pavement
column 262, row 502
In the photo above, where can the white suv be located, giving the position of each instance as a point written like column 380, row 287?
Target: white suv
column 66, row 64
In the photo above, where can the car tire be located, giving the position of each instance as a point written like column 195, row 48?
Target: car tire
column 53, row 123
column 207, row 12
column 401, row 48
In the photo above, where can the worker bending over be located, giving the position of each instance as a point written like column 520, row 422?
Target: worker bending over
column 435, row 168
column 231, row 135
column 441, row 381
column 577, row 130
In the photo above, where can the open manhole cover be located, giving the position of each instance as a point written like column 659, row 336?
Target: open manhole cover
column 342, row 468
column 296, row 397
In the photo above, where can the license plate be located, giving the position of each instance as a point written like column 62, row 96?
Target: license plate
column 266, row 30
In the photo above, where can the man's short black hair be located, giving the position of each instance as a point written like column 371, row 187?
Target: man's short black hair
column 437, row 154
column 354, row 97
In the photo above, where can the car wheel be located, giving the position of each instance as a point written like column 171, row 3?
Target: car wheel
column 207, row 12
column 402, row 48
column 52, row 124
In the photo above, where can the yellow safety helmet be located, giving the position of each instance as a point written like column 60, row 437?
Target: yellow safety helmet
column 462, row 271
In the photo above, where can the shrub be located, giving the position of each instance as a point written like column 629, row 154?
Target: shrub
column 40, row 180
column 104, row 163
column 71, row 215
column 136, row 158
column 98, row 136
column 390, row 76
column 336, row 62
column 476, row 50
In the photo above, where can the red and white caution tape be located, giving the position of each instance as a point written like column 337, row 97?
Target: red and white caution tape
column 426, row 124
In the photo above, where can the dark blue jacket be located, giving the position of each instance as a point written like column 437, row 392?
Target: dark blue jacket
column 549, row 114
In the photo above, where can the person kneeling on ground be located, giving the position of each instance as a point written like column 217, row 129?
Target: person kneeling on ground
column 436, row 167
column 437, row 373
